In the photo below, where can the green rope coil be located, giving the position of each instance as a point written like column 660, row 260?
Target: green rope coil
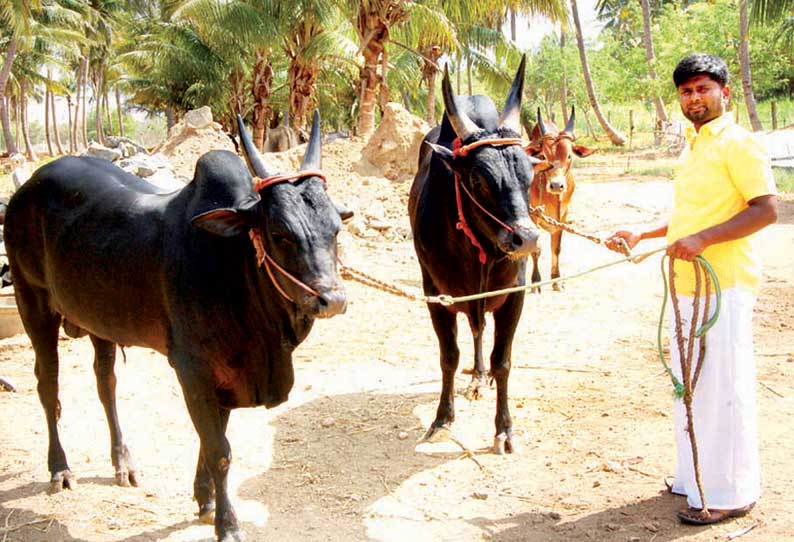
column 678, row 386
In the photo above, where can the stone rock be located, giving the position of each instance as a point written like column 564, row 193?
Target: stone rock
column 100, row 151
column 198, row 119
column 20, row 175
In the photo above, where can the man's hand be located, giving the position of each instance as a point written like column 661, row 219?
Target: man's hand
column 687, row 247
column 616, row 240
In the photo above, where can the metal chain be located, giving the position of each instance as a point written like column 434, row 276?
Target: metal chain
column 538, row 211
column 368, row 280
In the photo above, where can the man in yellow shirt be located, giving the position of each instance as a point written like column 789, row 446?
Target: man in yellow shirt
column 724, row 192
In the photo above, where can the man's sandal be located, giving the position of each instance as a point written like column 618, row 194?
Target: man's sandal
column 691, row 516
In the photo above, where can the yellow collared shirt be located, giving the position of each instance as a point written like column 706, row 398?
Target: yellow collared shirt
column 723, row 167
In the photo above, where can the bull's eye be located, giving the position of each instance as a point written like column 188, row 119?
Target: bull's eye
column 282, row 240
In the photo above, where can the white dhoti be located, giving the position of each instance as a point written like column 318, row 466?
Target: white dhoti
column 724, row 408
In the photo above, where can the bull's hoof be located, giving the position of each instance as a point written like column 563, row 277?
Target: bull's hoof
column 206, row 513
column 437, row 434
column 476, row 388
column 534, row 290
column 467, row 371
column 61, row 480
column 557, row 287
column 231, row 536
column 126, row 478
column 504, row 444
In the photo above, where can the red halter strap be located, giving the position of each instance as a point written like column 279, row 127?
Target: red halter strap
column 462, row 150
column 262, row 257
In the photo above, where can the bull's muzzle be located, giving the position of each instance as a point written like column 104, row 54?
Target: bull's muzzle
column 522, row 241
column 330, row 302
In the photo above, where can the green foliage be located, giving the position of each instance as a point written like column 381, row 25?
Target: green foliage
column 784, row 178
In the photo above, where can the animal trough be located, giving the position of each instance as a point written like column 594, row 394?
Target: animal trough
column 10, row 322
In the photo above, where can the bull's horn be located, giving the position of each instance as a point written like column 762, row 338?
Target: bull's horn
column 541, row 126
column 252, row 157
column 459, row 120
column 571, row 121
column 312, row 158
column 511, row 116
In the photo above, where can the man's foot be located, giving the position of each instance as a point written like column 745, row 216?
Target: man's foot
column 692, row 516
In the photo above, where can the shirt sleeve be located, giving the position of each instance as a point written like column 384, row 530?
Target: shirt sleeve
column 750, row 168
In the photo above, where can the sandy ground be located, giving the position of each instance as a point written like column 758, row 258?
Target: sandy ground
column 340, row 462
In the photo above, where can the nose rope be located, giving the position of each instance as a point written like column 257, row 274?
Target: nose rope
column 262, row 257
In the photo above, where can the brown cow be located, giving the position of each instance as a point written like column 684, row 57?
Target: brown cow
column 552, row 189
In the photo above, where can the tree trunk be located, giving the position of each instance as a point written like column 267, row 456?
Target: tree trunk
column 744, row 60
column 72, row 140
column 118, row 111
column 55, row 125
column 369, row 78
column 302, row 79
column 261, row 85
column 431, row 54
column 97, row 84
column 5, row 73
column 650, row 55
column 468, row 75
column 47, row 120
column 564, row 78
column 23, row 102
column 75, row 126
column 513, row 25
column 169, row 118
column 108, row 116
column 615, row 137
column 84, row 63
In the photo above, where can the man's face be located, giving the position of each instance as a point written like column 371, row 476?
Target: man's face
column 702, row 99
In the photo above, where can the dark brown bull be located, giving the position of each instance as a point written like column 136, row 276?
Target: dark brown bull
column 552, row 189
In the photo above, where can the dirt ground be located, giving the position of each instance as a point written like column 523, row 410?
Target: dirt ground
column 340, row 462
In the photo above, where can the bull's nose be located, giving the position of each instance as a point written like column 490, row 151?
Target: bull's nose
column 331, row 302
column 521, row 242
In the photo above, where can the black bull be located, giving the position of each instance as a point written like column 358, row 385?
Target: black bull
column 472, row 233
column 106, row 254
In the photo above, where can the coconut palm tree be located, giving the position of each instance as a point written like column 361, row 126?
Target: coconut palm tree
column 744, row 61
column 615, row 137
column 650, row 55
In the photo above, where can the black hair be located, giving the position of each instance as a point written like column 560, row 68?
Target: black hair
column 701, row 64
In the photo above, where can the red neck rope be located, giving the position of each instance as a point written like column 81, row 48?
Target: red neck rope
column 458, row 149
column 262, row 257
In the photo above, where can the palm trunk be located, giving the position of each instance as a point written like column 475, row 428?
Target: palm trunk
column 55, row 125
column 84, row 62
column 108, row 116
column 23, row 102
column 368, row 75
column 261, row 85
column 72, row 140
column 118, row 111
column 5, row 73
column 615, row 137
column 75, row 126
column 650, row 55
column 98, row 94
column 468, row 75
column 564, row 78
column 302, row 79
column 744, row 60
column 47, row 120
column 513, row 25
column 430, row 69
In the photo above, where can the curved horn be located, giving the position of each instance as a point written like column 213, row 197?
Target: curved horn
column 312, row 158
column 571, row 121
column 459, row 120
column 511, row 116
column 541, row 125
column 252, row 157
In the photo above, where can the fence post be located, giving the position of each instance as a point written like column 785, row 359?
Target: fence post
column 774, row 115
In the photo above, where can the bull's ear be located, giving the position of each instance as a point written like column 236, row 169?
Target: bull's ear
column 225, row 222
column 442, row 152
column 539, row 166
column 532, row 150
column 581, row 151
column 344, row 213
